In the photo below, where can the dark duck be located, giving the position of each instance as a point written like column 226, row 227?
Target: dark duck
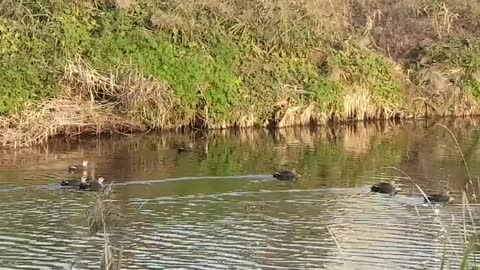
column 78, row 168
column 386, row 188
column 186, row 148
column 74, row 183
column 96, row 185
column 439, row 198
column 286, row 175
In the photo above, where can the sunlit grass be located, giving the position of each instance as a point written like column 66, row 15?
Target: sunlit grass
column 222, row 63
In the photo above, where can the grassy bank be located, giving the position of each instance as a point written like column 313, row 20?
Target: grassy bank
column 95, row 66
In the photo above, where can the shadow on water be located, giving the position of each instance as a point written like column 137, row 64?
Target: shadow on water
column 219, row 207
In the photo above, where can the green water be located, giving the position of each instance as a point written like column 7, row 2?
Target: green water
column 219, row 208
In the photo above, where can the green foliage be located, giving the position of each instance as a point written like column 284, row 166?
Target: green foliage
column 203, row 69
column 327, row 94
column 24, row 69
column 218, row 67
column 473, row 86
column 370, row 70
column 464, row 54
column 457, row 53
column 199, row 78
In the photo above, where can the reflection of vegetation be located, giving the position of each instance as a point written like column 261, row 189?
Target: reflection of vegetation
column 331, row 158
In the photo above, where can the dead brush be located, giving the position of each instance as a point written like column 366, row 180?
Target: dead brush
column 144, row 99
column 357, row 104
column 102, row 216
column 67, row 115
column 280, row 24
column 442, row 92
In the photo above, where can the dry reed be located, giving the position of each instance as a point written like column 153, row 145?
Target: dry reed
column 102, row 215
column 144, row 99
column 93, row 103
column 66, row 115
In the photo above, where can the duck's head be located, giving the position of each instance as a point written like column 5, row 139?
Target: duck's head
column 101, row 180
column 451, row 199
column 294, row 171
column 85, row 163
column 84, row 179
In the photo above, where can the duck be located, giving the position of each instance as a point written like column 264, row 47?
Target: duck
column 439, row 198
column 186, row 148
column 74, row 183
column 286, row 175
column 94, row 185
column 386, row 188
column 77, row 168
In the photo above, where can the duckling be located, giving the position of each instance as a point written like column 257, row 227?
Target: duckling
column 77, row 168
column 286, row 175
column 74, row 183
column 387, row 188
column 94, row 185
column 187, row 148
column 439, row 198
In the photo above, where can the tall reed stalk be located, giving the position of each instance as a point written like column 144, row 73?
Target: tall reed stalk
column 102, row 216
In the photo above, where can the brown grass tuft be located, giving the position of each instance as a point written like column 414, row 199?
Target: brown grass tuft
column 93, row 103
column 102, row 215
column 358, row 104
column 144, row 99
column 166, row 21
column 124, row 4
column 67, row 115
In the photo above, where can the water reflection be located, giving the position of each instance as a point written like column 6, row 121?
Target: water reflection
column 217, row 207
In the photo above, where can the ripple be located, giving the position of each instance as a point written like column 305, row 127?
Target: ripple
column 223, row 210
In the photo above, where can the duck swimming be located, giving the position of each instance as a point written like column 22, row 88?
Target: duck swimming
column 77, row 168
column 286, row 175
column 94, row 185
column 74, row 183
column 187, row 148
column 386, row 188
column 439, row 198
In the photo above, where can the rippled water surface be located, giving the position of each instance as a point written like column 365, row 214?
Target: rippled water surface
column 218, row 207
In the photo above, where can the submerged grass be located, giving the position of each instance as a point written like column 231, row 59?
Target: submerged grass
column 225, row 63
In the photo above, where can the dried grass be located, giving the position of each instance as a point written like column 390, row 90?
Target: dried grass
column 67, row 115
column 442, row 94
column 300, row 115
column 358, row 105
column 93, row 103
column 102, row 215
column 124, row 4
column 144, row 99
column 409, row 24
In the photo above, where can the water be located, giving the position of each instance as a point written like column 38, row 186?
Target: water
column 218, row 207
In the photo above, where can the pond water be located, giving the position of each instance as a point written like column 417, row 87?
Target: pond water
column 219, row 208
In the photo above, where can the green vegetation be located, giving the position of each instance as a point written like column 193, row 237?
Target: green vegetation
column 222, row 63
column 463, row 55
